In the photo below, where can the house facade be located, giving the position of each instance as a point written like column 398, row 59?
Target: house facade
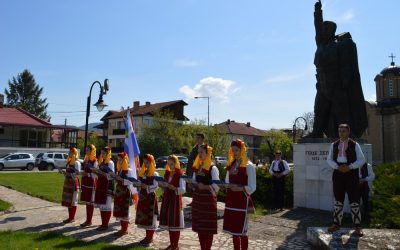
column 244, row 131
column 142, row 115
column 20, row 130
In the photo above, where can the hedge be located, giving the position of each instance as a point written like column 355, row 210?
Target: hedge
column 386, row 196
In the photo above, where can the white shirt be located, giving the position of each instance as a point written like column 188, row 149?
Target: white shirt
column 111, row 166
column 214, row 177
column 342, row 156
column 151, row 188
column 275, row 167
column 371, row 174
column 251, row 178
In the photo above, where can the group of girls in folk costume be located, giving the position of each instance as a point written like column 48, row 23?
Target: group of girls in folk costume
column 171, row 212
column 204, row 205
column 241, row 176
column 105, row 187
column 147, row 209
column 71, row 184
column 98, row 188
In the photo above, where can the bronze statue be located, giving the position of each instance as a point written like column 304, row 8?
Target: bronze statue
column 339, row 96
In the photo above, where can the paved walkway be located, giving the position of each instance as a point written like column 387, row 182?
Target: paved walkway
column 280, row 231
column 284, row 230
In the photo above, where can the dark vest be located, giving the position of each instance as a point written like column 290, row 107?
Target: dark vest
column 204, row 176
column 281, row 168
column 350, row 151
column 364, row 171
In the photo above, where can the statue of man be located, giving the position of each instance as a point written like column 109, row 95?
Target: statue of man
column 339, row 96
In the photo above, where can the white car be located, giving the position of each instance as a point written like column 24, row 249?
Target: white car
column 23, row 161
column 51, row 160
column 221, row 160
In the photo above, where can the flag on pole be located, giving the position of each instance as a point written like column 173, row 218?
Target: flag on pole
column 131, row 147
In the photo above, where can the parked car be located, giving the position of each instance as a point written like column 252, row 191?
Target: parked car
column 183, row 160
column 221, row 160
column 23, row 161
column 51, row 160
column 161, row 161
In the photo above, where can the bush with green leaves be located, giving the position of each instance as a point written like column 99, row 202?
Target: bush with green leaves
column 263, row 196
column 386, row 196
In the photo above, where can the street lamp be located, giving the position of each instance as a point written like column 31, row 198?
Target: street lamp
column 100, row 104
column 294, row 126
column 208, row 113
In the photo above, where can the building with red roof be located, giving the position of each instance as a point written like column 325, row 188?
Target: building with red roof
column 19, row 128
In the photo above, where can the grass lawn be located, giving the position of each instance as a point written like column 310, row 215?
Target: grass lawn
column 22, row 240
column 47, row 186
column 4, row 205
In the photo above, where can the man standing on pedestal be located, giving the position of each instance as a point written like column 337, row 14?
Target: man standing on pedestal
column 279, row 169
column 345, row 157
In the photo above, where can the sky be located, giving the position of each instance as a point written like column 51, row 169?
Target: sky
column 253, row 58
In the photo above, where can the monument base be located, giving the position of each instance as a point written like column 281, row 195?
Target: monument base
column 312, row 183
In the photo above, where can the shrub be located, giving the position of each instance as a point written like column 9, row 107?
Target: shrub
column 264, row 195
column 386, row 196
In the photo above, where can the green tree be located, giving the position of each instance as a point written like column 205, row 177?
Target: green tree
column 276, row 140
column 23, row 92
column 92, row 139
column 165, row 136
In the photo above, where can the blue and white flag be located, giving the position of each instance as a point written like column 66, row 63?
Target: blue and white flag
column 131, row 146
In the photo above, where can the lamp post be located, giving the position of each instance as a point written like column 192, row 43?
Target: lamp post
column 294, row 127
column 99, row 104
column 208, row 114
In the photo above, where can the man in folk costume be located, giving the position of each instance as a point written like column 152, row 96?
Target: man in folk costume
column 241, row 176
column 105, row 187
column 122, row 196
column 89, row 180
column 204, row 206
column 279, row 169
column 71, row 184
column 147, row 209
column 171, row 212
column 345, row 157
column 366, row 175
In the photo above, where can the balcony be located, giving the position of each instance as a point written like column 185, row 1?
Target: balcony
column 120, row 131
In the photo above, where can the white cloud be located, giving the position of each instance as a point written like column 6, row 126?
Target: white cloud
column 346, row 17
column 213, row 87
column 290, row 76
column 284, row 78
column 186, row 63
column 372, row 98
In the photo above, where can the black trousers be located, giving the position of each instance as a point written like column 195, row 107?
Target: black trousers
column 346, row 183
column 364, row 196
column 278, row 185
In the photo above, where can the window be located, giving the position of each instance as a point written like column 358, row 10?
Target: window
column 390, row 87
column 65, row 156
column 50, row 155
column 13, row 157
column 58, row 156
column 24, row 156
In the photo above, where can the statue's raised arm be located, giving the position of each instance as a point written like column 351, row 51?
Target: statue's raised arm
column 318, row 21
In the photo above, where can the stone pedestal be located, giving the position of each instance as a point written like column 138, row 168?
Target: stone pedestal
column 312, row 184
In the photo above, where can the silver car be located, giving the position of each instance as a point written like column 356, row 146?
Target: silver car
column 221, row 160
column 23, row 161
